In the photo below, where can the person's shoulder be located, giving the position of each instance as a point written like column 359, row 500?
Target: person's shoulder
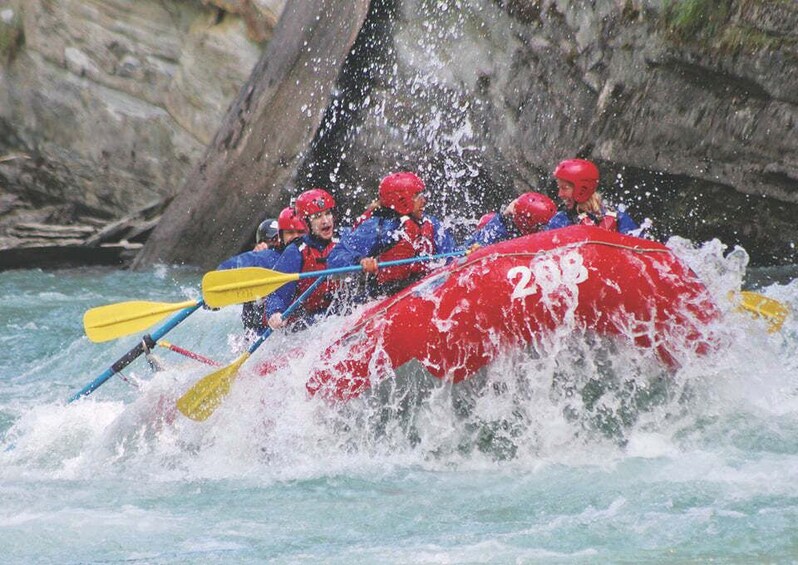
column 292, row 250
column 294, row 246
column 499, row 221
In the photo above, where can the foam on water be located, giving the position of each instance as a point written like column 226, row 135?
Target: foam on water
column 576, row 437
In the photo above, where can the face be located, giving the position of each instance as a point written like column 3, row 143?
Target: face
column 291, row 235
column 322, row 224
column 565, row 190
column 419, row 203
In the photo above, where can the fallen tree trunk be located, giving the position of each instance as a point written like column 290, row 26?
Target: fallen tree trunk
column 257, row 149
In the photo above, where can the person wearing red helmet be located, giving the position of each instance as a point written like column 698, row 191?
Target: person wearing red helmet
column 577, row 184
column 284, row 229
column 527, row 214
column 276, row 233
column 397, row 229
column 483, row 221
column 307, row 253
column 291, row 226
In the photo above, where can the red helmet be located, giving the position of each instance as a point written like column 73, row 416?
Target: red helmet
column 483, row 221
column 583, row 174
column 397, row 191
column 314, row 201
column 289, row 219
column 532, row 210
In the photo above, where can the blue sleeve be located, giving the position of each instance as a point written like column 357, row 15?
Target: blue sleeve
column 233, row 262
column 266, row 259
column 290, row 262
column 444, row 240
column 355, row 245
column 559, row 220
column 625, row 223
column 493, row 232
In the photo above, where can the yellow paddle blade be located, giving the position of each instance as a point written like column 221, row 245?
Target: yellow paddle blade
column 236, row 286
column 199, row 402
column 124, row 318
column 763, row 307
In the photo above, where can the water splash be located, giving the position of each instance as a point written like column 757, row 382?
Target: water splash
column 568, row 395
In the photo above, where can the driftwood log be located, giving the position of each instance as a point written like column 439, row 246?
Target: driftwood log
column 54, row 246
column 257, row 149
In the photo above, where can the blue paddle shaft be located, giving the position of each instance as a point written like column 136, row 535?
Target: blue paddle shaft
column 137, row 351
column 288, row 311
column 322, row 274
column 353, row 268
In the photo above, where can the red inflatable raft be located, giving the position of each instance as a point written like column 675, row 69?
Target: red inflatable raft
column 462, row 316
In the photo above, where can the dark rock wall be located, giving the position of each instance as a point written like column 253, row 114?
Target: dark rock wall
column 691, row 115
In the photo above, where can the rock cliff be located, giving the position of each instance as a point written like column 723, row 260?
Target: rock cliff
column 106, row 104
column 690, row 110
column 689, row 106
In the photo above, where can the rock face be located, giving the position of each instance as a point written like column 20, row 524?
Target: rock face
column 689, row 110
column 112, row 101
column 262, row 139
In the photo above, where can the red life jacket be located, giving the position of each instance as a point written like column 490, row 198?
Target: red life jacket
column 414, row 239
column 609, row 221
column 315, row 260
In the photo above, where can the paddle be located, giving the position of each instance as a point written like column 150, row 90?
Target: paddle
column 761, row 306
column 186, row 353
column 109, row 322
column 235, row 286
column 199, row 402
column 147, row 342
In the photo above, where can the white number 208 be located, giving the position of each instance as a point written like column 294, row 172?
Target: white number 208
column 570, row 271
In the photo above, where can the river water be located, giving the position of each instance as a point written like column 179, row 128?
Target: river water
column 590, row 454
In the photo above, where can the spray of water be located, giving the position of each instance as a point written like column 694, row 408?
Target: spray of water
column 564, row 397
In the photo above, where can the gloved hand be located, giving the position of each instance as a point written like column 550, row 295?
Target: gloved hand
column 276, row 321
column 369, row 265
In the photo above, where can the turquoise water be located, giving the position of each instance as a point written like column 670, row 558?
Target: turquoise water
column 587, row 452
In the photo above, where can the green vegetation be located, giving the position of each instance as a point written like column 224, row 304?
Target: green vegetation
column 716, row 24
column 696, row 19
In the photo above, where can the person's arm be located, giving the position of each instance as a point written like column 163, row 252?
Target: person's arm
column 494, row 231
column 354, row 246
column 265, row 259
column 443, row 238
column 625, row 223
column 290, row 262
column 559, row 220
column 231, row 263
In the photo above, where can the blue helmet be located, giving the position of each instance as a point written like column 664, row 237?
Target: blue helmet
column 267, row 230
